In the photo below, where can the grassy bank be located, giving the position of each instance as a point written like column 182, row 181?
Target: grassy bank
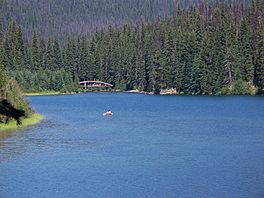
column 66, row 93
column 34, row 119
column 46, row 93
column 43, row 93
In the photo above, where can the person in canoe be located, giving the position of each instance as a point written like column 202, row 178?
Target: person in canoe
column 108, row 113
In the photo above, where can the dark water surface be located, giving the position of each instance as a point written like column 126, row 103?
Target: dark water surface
column 153, row 146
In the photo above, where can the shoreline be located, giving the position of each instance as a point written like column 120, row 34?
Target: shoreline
column 32, row 120
column 162, row 92
column 47, row 93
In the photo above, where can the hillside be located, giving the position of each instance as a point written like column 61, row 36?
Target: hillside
column 75, row 17
column 56, row 17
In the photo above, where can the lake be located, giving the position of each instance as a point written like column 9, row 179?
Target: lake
column 153, row 146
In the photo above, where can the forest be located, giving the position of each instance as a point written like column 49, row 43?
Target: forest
column 71, row 18
column 76, row 17
column 209, row 49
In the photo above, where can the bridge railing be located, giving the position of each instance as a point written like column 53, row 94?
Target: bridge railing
column 92, row 83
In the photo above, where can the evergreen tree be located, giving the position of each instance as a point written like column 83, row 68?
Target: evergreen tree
column 246, row 56
column 57, row 56
column 260, row 60
column 50, row 59
column 35, row 53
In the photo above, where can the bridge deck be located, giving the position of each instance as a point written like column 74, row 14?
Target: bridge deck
column 94, row 83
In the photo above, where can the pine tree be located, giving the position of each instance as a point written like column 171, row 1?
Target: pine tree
column 84, row 59
column 57, row 56
column 260, row 60
column 42, row 52
column 246, row 64
column 50, row 55
column 35, row 53
column 1, row 41
column 2, row 31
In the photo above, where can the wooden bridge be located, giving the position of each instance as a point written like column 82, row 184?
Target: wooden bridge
column 94, row 84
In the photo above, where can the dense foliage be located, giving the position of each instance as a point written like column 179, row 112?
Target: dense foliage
column 12, row 103
column 206, row 49
column 60, row 18
column 75, row 17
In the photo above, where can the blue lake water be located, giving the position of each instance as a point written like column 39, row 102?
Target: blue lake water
column 153, row 146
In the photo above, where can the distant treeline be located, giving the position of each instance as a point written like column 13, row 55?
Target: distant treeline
column 75, row 17
column 206, row 49
column 62, row 18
